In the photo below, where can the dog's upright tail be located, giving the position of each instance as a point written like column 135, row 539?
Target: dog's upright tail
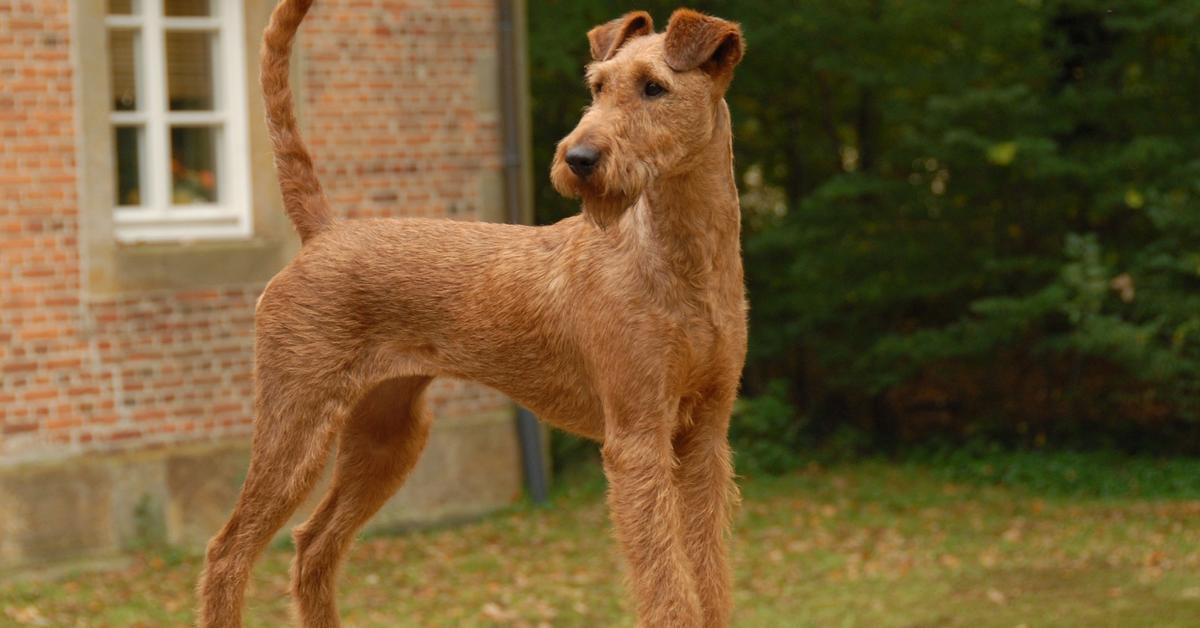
column 303, row 199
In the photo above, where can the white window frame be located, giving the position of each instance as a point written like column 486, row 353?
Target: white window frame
column 157, row 219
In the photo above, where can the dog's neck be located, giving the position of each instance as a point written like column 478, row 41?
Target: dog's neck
column 692, row 221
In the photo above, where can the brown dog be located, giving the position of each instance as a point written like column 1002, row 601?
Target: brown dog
column 626, row 324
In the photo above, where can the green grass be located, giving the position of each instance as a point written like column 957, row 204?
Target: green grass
column 1071, row 474
column 864, row 544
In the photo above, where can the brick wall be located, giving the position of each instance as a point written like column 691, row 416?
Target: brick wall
column 46, row 380
column 396, row 107
column 393, row 104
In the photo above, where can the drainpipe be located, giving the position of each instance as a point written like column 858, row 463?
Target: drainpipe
column 514, row 87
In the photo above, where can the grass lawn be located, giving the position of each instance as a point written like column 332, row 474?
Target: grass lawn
column 866, row 544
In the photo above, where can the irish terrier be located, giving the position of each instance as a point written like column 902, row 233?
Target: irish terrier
column 626, row 324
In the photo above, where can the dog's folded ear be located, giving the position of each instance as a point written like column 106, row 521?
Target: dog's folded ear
column 695, row 40
column 606, row 39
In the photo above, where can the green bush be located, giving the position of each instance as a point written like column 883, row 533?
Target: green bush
column 568, row 451
column 1066, row 473
column 765, row 433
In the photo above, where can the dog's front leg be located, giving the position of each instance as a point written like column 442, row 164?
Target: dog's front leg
column 708, row 494
column 644, row 503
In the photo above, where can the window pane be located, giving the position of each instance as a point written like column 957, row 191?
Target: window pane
column 193, row 165
column 190, row 71
column 122, row 55
column 128, row 146
column 187, row 8
column 121, row 7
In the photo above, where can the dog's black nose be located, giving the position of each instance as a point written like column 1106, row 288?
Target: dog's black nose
column 583, row 159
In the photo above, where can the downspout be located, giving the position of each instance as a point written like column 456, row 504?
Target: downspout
column 517, row 194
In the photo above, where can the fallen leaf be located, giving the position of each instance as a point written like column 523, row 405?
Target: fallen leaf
column 495, row 612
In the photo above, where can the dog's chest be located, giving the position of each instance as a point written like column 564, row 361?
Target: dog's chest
column 710, row 345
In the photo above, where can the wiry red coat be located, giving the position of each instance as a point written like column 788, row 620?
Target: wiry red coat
column 626, row 324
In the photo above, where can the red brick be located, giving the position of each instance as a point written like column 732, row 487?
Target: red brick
column 77, row 365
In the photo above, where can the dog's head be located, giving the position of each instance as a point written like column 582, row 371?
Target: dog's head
column 657, row 99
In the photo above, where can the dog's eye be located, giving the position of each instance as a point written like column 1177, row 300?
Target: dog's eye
column 652, row 90
column 598, row 87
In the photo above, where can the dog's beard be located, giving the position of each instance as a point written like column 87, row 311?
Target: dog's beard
column 604, row 201
column 604, row 210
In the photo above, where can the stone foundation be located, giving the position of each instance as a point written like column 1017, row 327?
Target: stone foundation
column 97, row 506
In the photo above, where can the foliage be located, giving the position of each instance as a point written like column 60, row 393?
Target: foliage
column 967, row 219
column 568, row 451
column 1065, row 474
column 765, row 434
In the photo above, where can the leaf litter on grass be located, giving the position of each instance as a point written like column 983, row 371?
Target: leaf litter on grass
column 866, row 544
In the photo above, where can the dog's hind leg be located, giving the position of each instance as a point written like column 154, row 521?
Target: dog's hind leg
column 296, row 419
column 378, row 446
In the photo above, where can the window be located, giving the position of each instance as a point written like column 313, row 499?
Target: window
column 178, row 118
